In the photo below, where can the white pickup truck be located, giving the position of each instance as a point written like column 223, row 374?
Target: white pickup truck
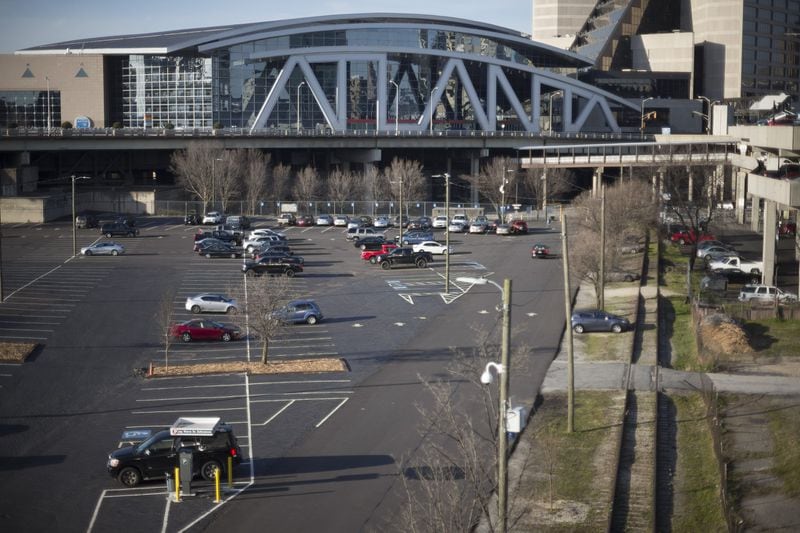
column 734, row 262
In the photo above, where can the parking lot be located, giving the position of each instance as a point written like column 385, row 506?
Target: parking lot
column 101, row 311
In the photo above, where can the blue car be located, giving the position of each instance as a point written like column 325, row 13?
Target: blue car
column 595, row 320
column 416, row 237
column 299, row 312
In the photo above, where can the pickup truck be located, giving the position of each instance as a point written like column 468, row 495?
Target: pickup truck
column 404, row 256
column 745, row 265
column 373, row 255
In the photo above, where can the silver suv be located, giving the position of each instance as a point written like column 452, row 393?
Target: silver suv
column 765, row 292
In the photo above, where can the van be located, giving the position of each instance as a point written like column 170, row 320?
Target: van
column 357, row 233
column 238, row 222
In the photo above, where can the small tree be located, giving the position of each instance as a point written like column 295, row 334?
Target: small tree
column 405, row 180
column 307, row 185
column 340, row 187
column 255, row 169
column 195, row 168
column 493, row 180
column 228, row 171
column 164, row 317
column 280, row 182
column 558, row 181
column 265, row 295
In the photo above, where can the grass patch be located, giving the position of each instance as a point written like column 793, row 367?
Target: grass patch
column 774, row 337
column 577, row 467
column 785, row 427
column 237, row 367
column 15, row 352
column 697, row 486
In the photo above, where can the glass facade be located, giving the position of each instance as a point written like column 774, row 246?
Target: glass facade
column 771, row 47
column 28, row 109
column 160, row 90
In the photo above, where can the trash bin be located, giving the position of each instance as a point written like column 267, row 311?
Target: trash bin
column 170, row 484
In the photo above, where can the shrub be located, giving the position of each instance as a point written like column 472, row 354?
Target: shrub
column 67, row 125
column 218, row 125
column 169, row 126
column 117, row 125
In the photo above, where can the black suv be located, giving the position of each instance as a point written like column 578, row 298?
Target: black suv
column 86, row 220
column 154, row 457
column 275, row 266
column 118, row 229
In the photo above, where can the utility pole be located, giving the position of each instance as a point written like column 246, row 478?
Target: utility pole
column 502, row 452
column 446, row 177
column 568, row 312
column 602, row 273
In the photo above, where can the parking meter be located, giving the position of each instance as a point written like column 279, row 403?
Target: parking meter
column 185, row 465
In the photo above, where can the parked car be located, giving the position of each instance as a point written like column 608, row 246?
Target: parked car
column 479, row 226
column 420, row 224
column 400, row 221
column 305, row 220
column 357, row 233
column 460, row 217
column 405, row 256
column 213, row 217
column 518, row 227
column 238, row 222
column 324, row 220
column 787, row 228
column 714, row 282
column 381, row 222
column 596, row 320
column 86, row 220
column 372, row 254
column 765, row 293
column 128, row 220
column 416, row 237
column 688, row 237
column 152, row 454
column 192, row 219
column 272, row 266
column 622, row 275
column 114, row 229
column 299, row 312
column 208, row 241
column 271, row 248
column 503, row 229
column 202, row 329
column 103, row 248
column 287, row 219
column 263, row 232
column 370, row 241
column 440, row 222
column 435, row 248
column 540, row 251
column 457, row 226
column 211, row 303
column 259, row 241
column 712, row 242
column 366, row 220
column 341, row 220
column 714, row 250
column 284, row 256
column 738, row 276
column 219, row 250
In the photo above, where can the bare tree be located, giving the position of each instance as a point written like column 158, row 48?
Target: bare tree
column 195, row 169
column 372, row 183
column 404, row 179
column 265, row 295
column 492, row 181
column 630, row 211
column 164, row 317
column 255, row 168
column 558, row 181
column 280, row 182
column 340, row 187
column 307, row 186
column 228, row 176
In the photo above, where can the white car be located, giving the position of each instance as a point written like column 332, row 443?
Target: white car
column 263, row 232
column 436, row 248
column 341, row 220
column 440, row 222
column 353, row 223
column 460, row 218
column 765, row 292
column 381, row 222
column 258, row 241
column 103, row 248
column 213, row 217
column 211, row 303
column 458, row 226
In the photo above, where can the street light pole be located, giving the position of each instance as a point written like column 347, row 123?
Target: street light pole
column 502, row 371
column 641, row 114
column 550, row 109
column 396, row 115
column 298, row 103
column 74, row 226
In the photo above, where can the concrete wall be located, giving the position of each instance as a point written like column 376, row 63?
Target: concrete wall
column 772, row 137
column 556, row 18
column 663, row 52
column 80, row 95
column 40, row 209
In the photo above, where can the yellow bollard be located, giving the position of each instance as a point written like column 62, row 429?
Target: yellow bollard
column 177, row 484
column 216, row 485
column 230, row 472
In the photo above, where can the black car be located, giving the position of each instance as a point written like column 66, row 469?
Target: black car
column 86, row 220
column 216, row 249
column 271, row 265
column 737, row 276
column 192, row 220
column 116, row 229
column 157, row 455
column 274, row 254
column 370, row 241
column 421, row 223
column 128, row 220
column 271, row 248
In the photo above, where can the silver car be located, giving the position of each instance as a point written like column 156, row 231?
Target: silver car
column 103, row 248
column 211, row 303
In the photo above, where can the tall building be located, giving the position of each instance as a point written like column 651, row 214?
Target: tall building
column 724, row 49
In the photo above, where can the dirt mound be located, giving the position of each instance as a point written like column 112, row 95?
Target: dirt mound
column 724, row 337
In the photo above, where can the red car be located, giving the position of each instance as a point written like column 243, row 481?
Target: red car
column 540, row 250
column 372, row 255
column 202, row 329
column 518, row 227
column 688, row 237
column 787, row 229
column 305, row 220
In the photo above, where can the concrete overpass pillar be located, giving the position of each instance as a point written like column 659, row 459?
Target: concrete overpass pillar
column 768, row 246
column 755, row 213
column 740, row 200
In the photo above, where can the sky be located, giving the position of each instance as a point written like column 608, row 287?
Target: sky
column 26, row 23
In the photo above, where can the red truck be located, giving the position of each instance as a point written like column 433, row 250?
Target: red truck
column 372, row 255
